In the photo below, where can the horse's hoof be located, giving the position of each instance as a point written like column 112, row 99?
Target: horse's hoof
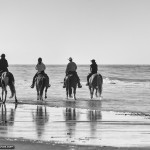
column 45, row 97
column 100, row 97
column 70, row 96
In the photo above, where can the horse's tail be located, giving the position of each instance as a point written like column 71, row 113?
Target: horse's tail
column 99, row 83
column 43, row 85
column 12, row 89
column 68, row 84
column 11, row 84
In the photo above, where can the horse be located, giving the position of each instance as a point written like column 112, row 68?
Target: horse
column 7, row 79
column 95, row 83
column 41, row 84
column 71, row 85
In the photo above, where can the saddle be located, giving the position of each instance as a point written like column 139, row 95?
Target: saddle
column 43, row 76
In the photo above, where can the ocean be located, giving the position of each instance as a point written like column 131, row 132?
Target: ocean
column 126, row 88
column 121, row 118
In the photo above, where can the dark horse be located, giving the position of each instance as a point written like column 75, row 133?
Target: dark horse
column 7, row 79
column 71, row 84
column 41, row 84
column 95, row 83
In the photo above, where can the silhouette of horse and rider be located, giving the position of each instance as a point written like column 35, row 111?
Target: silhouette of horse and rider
column 41, row 79
column 6, row 79
column 94, row 79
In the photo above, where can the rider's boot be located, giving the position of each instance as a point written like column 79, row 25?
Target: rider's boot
column 32, row 86
column 79, row 85
column 64, row 86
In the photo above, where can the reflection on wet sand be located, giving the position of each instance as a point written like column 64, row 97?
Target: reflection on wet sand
column 93, row 117
column 70, row 118
column 73, row 125
column 40, row 117
column 6, row 117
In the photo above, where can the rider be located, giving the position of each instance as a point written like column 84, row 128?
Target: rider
column 3, row 64
column 71, row 69
column 93, row 70
column 40, row 67
column 4, row 68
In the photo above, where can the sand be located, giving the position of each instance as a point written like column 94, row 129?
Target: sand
column 32, row 126
column 28, row 145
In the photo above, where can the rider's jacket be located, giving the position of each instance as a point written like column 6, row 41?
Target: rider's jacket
column 93, row 68
column 3, row 64
column 40, row 67
column 71, row 66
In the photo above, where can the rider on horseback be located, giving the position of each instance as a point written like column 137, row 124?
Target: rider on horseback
column 71, row 69
column 40, row 67
column 4, row 68
column 3, row 64
column 93, row 70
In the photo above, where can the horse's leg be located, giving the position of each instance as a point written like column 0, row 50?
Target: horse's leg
column 46, row 92
column 66, row 92
column 2, row 93
column 96, row 93
column 5, row 94
column 70, row 92
column 91, row 91
column 74, row 92
column 37, row 94
column 41, row 93
column 16, row 101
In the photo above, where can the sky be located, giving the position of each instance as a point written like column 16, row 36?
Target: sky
column 109, row 31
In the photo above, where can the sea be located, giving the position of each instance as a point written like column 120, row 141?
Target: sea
column 126, row 88
column 119, row 118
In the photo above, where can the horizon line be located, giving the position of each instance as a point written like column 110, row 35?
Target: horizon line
column 79, row 64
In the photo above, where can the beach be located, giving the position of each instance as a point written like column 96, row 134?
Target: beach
column 39, row 125
column 24, row 145
column 119, row 120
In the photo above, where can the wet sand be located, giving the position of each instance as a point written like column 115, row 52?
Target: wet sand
column 32, row 126
column 28, row 145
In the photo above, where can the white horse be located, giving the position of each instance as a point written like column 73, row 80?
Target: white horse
column 6, row 81
column 95, row 83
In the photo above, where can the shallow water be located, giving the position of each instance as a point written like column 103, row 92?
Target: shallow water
column 74, row 125
column 120, row 118
column 125, row 88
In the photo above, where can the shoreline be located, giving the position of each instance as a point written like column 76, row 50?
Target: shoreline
column 55, row 102
column 19, row 144
column 63, row 128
